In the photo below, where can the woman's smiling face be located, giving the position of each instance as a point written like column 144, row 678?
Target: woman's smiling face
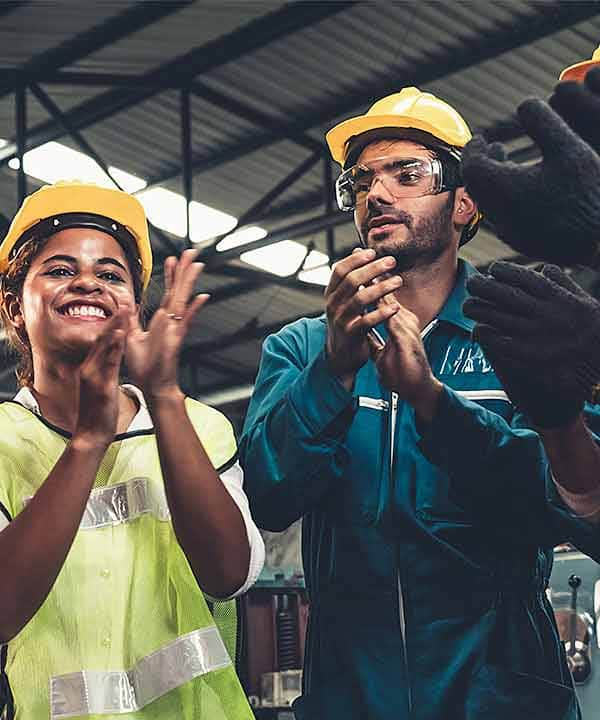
column 74, row 285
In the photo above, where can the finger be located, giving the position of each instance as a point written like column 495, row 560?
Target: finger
column 367, row 297
column 592, row 80
column 184, row 287
column 578, row 106
column 530, row 281
column 169, row 270
column 113, row 354
column 186, row 259
column 497, row 151
column 502, row 319
column 342, row 268
column 134, row 320
column 547, row 129
column 512, row 299
column 106, row 351
column 375, row 347
column 500, row 347
column 488, row 177
column 198, row 302
column 403, row 325
column 363, row 323
column 362, row 276
column 554, row 273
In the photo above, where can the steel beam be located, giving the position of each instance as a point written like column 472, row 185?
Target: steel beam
column 21, row 125
column 83, row 44
column 186, row 158
column 548, row 19
column 248, row 38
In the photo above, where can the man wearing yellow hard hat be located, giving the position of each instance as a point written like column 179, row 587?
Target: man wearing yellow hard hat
column 427, row 536
column 119, row 503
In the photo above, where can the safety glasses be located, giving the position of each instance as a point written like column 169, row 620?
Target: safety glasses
column 402, row 177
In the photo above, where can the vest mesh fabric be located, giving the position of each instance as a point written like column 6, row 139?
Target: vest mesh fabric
column 125, row 589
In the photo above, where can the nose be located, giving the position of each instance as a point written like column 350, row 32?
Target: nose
column 86, row 283
column 378, row 193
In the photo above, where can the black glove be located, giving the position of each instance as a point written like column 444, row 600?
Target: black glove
column 541, row 332
column 549, row 209
column 579, row 104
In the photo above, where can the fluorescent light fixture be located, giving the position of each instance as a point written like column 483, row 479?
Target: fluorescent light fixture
column 316, row 269
column 207, row 222
column 166, row 210
column 52, row 161
column 280, row 258
column 242, row 237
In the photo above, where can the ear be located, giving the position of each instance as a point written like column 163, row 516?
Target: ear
column 14, row 311
column 464, row 208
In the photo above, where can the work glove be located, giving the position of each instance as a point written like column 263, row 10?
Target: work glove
column 549, row 209
column 579, row 105
column 541, row 332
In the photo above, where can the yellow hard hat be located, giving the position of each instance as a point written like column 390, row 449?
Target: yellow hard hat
column 409, row 108
column 578, row 71
column 412, row 109
column 76, row 204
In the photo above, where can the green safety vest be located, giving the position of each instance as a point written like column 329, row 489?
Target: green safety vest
column 125, row 630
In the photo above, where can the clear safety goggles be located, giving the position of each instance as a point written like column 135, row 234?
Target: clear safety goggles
column 402, row 177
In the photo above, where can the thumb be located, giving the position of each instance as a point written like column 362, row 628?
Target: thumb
column 547, row 129
column 487, row 173
column 554, row 273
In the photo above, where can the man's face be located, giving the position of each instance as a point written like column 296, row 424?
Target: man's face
column 416, row 231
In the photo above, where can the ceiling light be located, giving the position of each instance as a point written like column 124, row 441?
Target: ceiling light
column 280, row 258
column 242, row 237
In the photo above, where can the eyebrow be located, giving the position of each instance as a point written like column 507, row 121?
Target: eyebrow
column 100, row 261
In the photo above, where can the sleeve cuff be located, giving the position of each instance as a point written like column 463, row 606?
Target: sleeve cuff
column 583, row 505
column 232, row 478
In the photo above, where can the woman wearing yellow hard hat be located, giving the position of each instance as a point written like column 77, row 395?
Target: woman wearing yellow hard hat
column 119, row 504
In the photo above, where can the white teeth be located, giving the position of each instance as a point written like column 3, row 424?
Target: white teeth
column 85, row 310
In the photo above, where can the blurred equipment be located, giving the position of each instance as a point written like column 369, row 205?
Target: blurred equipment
column 575, row 596
column 275, row 615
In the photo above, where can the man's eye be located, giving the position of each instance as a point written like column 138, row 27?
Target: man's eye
column 362, row 184
column 408, row 177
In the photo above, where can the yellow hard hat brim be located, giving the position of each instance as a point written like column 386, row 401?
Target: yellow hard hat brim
column 340, row 135
column 69, row 197
column 578, row 71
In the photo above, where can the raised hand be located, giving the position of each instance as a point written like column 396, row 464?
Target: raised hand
column 579, row 105
column 152, row 355
column 541, row 332
column 351, row 302
column 549, row 209
column 402, row 363
column 98, row 401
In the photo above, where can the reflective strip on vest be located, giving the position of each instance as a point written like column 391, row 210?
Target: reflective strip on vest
column 122, row 503
column 93, row 692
